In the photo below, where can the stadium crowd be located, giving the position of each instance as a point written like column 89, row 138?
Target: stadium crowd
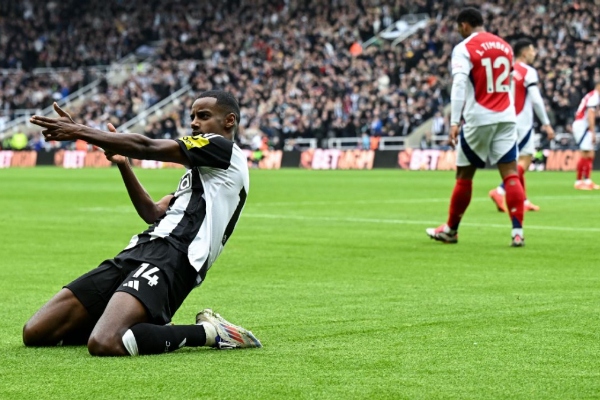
column 20, row 90
column 295, row 75
column 73, row 33
column 298, row 67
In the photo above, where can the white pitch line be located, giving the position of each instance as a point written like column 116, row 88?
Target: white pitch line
column 127, row 209
column 413, row 222
column 407, row 201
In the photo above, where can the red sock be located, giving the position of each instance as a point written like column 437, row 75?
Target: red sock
column 522, row 178
column 515, row 196
column 584, row 168
column 461, row 197
column 590, row 167
column 580, row 168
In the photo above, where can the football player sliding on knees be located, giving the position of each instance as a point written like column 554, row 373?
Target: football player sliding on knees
column 527, row 99
column 481, row 66
column 126, row 304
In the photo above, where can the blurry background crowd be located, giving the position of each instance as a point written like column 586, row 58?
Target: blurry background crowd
column 300, row 69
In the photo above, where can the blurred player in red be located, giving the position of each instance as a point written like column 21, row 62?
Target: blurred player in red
column 481, row 67
column 527, row 99
column 584, row 131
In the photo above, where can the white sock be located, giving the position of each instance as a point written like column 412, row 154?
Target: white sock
column 211, row 334
column 578, row 181
column 448, row 230
column 526, row 201
column 517, row 231
column 588, row 181
column 130, row 343
column 501, row 191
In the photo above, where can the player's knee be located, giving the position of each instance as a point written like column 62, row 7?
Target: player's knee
column 28, row 337
column 31, row 335
column 103, row 345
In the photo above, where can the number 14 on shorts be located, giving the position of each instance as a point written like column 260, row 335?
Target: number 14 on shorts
column 152, row 279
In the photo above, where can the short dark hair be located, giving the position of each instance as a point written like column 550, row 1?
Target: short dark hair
column 225, row 100
column 521, row 45
column 471, row 16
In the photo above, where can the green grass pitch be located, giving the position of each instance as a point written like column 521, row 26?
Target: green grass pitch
column 332, row 270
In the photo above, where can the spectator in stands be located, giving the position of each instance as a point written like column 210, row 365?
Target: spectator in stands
column 37, row 142
column 405, row 127
column 365, row 141
column 438, row 126
column 427, row 142
column 18, row 141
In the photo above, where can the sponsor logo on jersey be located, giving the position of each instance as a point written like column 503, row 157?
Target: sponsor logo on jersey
column 197, row 141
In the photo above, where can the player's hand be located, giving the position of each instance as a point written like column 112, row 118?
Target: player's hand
column 60, row 129
column 116, row 158
column 453, row 135
column 549, row 131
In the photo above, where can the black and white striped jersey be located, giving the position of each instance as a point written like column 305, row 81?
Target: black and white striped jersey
column 207, row 203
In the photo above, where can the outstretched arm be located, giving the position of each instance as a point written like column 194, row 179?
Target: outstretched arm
column 146, row 208
column 130, row 145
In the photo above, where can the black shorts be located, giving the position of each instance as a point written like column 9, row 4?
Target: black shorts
column 156, row 273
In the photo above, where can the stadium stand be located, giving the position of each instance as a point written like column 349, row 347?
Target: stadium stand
column 73, row 33
column 299, row 68
column 22, row 91
column 298, row 78
column 396, row 88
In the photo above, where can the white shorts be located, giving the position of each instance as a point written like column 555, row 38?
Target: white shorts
column 582, row 135
column 496, row 143
column 526, row 141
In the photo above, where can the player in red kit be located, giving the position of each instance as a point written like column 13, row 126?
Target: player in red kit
column 527, row 100
column 584, row 131
column 481, row 67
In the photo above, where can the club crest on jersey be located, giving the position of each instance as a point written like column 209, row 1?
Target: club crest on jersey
column 197, row 141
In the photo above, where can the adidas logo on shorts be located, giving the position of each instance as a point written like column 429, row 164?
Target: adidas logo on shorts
column 132, row 284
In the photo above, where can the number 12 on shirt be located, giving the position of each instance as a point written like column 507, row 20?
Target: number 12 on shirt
column 499, row 69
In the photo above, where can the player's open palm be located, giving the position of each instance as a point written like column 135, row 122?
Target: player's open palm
column 116, row 158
